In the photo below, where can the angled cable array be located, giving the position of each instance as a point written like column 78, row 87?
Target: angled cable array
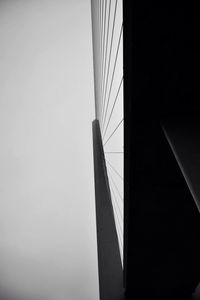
column 107, row 30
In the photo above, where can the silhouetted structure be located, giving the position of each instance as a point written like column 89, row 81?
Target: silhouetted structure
column 107, row 29
column 109, row 261
column 161, row 85
column 161, row 142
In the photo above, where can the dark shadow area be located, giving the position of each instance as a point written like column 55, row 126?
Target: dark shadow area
column 161, row 83
column 165, row 227
column 196, row 294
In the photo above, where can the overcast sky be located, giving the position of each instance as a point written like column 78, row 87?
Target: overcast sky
column 48, row 245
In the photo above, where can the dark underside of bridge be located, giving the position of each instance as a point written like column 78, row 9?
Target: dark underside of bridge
column 161, row 86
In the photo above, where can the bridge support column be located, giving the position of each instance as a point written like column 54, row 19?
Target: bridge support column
column 109, row 261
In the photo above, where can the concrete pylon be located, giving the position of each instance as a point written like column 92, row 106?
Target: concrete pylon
column 109, row 261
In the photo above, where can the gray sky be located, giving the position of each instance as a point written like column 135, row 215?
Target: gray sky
column 47, row 210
